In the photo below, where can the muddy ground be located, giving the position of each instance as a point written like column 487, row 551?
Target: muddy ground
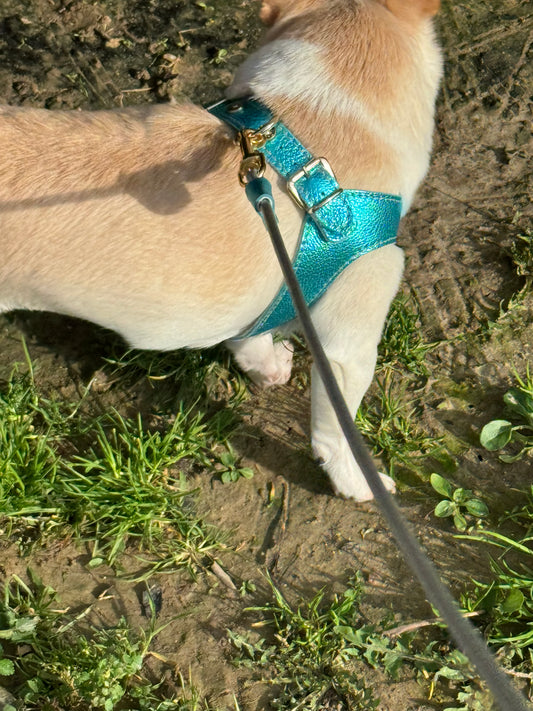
column 458, row 239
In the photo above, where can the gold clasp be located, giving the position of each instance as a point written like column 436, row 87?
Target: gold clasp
column 253, row 164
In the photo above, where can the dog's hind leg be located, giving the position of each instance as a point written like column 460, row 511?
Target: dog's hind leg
column 266, row 362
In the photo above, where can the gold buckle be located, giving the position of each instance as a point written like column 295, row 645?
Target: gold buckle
column 306, row 172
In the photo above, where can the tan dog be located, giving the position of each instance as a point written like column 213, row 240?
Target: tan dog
column 134, row 218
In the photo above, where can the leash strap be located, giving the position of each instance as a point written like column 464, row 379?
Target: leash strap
column 339, row 225
column 467, row 638
column 465, row 635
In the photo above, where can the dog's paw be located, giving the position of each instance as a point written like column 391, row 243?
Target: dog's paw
column 360, row 491
column 346, row 477
column 264, row 362
column 276, row 369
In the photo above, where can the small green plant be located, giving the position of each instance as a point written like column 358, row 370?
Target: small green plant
column 458, row 503
column 64, row 666
column 497, row 434
column 318, row 651
column 220, row 57
column 402, row 345
column 507, row 599
column 310, row 658
column 7, row 668
column 390, row 423
column 228, row 467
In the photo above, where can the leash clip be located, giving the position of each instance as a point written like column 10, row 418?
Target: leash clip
column 253, row 164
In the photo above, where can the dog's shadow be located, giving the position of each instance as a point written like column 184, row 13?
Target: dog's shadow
column 81, row 346
column 272, row 430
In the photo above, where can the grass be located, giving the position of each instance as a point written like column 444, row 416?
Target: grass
column 503, row 601
column 316, row 654
column 506, row 597
column 389, row 416
column 307, row 658
column 108, row 480
column 54, row 659
column 189, row 374
column 390, row 422
column 403, row 346
column 119, row 486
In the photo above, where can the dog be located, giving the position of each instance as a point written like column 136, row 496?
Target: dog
column 134, row 219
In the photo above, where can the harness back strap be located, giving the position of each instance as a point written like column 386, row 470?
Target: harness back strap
column 339, row 225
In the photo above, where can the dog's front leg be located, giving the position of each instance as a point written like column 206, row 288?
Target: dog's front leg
column 349, row 322
column 329, row 444
column 264, row 361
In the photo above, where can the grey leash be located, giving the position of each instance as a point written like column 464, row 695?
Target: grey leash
column 467, row 638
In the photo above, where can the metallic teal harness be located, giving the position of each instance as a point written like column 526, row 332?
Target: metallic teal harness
column 339, row 225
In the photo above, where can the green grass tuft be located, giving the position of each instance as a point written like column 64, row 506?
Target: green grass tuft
column 108, row 480
column 389, row 421
column 403, row 346
column 309, row 658
column 67, row 666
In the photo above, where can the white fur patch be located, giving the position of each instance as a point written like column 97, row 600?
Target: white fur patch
column 295, row 69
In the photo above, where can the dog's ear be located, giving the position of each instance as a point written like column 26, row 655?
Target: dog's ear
column 412, row 8
column 270, row 11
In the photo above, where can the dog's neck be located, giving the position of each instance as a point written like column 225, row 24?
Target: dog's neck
column 332, row 106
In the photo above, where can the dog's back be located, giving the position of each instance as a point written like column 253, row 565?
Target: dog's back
column 105, row 213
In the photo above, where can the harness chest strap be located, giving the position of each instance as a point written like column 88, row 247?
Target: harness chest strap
column 338, row 225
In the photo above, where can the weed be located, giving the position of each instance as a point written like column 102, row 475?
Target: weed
column 65, row 666
column 402, row 345
column 457, row 503
column 497, row 434
column 220, row 57
column 309, row 657
column 7, row 668
column 320, row 651
column 25, row 454
column 389, row 422
column 229, row 469
column 507, row 598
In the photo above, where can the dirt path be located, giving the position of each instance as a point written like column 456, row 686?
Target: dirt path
column 461, row 242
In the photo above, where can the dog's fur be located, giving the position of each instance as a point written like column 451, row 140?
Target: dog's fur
column 134, row 218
